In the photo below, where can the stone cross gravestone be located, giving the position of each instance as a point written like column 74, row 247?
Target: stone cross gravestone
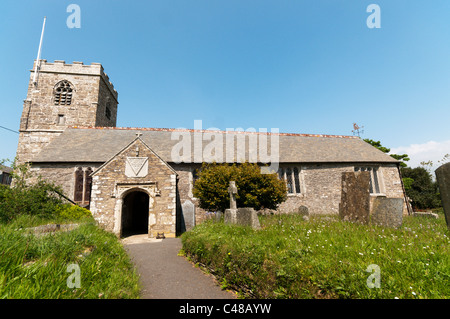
column 245, row 216
column 230, row 216
column 443, row 179
column 232, row 190
column 387, row 212
column 355, row 197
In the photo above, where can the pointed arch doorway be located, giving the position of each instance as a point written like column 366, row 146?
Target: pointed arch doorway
column 135, row 213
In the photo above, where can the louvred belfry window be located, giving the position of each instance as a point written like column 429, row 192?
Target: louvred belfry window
column 63, row 93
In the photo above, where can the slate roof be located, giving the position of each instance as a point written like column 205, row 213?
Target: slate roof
column 77, row 144
column 5, row 169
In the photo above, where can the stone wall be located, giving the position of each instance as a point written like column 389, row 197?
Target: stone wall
column 321, row 189
column 62, row 174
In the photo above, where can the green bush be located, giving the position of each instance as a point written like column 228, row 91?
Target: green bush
column 40, row 199
column 73, row 212
column 255, row 189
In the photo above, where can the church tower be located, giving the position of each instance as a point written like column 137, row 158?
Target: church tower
column 64, row 95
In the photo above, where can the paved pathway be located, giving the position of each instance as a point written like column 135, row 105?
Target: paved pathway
column 165, row 275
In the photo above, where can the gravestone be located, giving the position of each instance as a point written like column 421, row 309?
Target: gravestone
column 244, row 216
column 303, row 211
column 232, row 190
column 443, row 179
column 188, row 209
column 427, row 214
column 217, row 216
column 355, row 197
column 387, row 212
column 230, row 216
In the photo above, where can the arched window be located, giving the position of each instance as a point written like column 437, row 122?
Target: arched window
column 291, row 175
column 78, row 194
column 63, row 93
column 297, row 180
column 289, row 185
column 82, row 187
column 87, row 185
column 108, row 110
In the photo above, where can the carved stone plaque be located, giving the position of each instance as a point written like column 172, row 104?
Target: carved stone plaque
column 136, row 166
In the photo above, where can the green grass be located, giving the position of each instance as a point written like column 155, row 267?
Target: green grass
column 36, row 266
column 325, row 257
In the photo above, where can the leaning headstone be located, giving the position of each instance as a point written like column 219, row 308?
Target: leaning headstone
column 387, row 212
column 355, row 197
column 188, row 209
column 443, row 179
column 247, row 216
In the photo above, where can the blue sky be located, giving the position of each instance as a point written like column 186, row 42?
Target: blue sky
column 299, row 66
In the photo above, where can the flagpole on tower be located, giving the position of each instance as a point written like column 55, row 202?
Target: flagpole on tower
column 38, row 60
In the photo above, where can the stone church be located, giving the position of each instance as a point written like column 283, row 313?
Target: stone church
column 140, row 180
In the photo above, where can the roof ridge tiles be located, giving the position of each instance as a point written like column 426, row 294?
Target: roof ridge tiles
column 206, row 130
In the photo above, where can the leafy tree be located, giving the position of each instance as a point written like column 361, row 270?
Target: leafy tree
column 39, row 199
column 402, row 158
column 254, row 189
column 421, row 189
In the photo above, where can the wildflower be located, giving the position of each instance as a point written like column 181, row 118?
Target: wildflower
column 413, row 293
